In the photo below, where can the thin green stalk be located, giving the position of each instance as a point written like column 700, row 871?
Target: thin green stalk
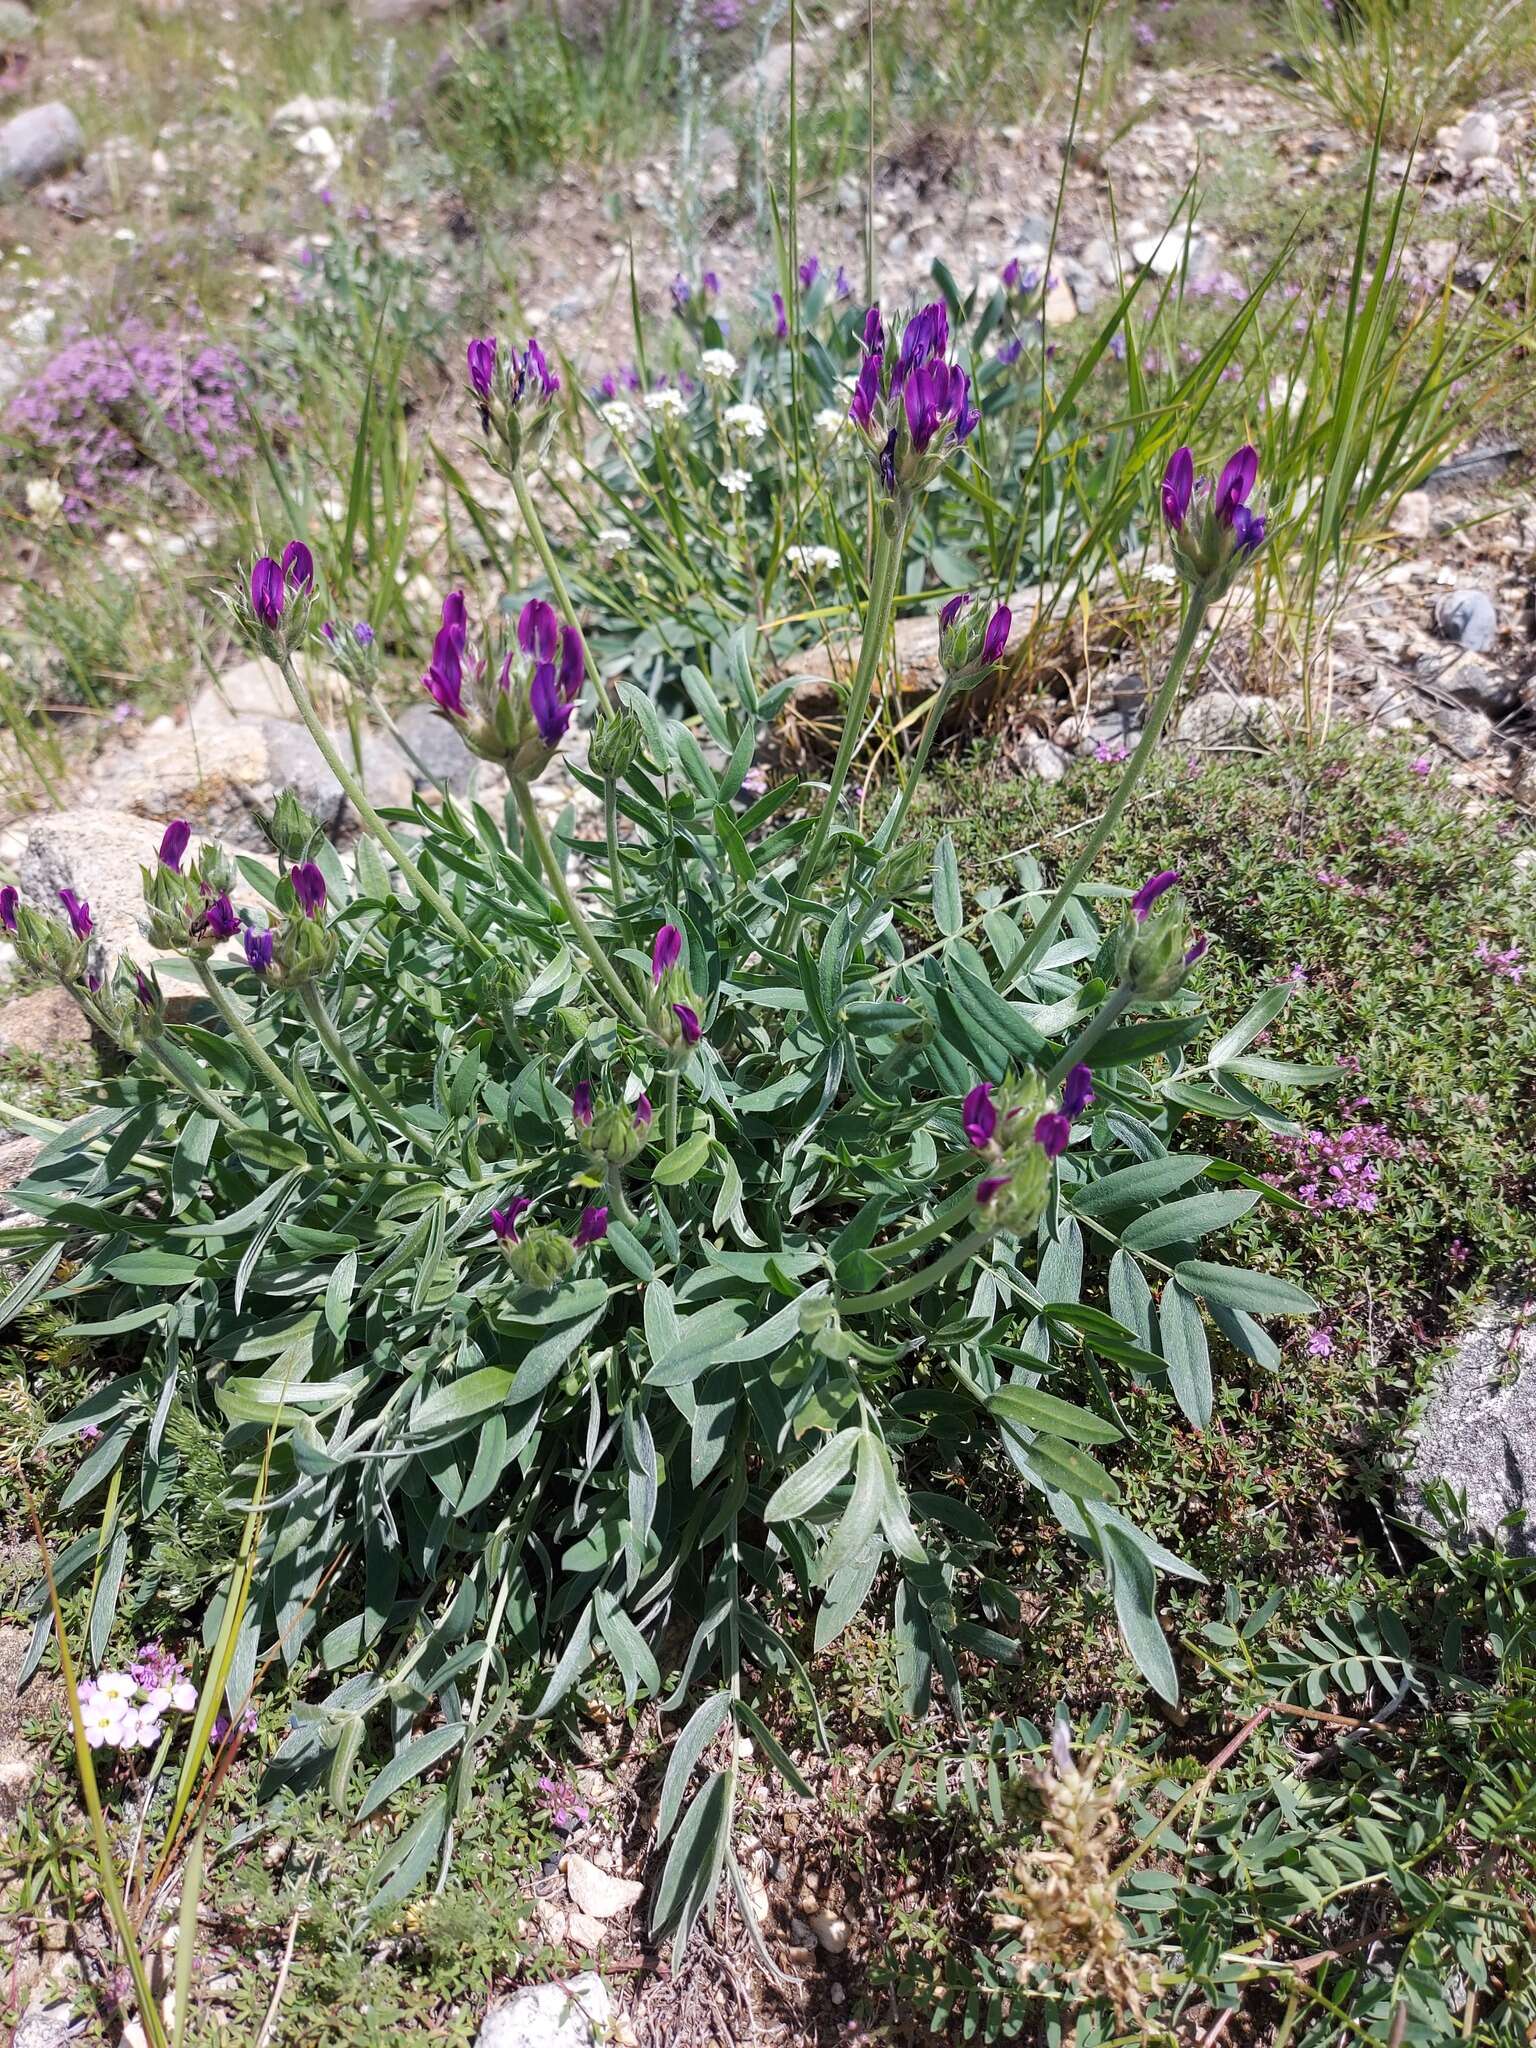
column 425, row 891
column 270, row 1071
column 585, row 937
column 890, row 830
column 618, row 1201
column 915, row 1283
column 1104, row 1018
column 375, row 1105
column 611, row 833
column 671, row 1126
column 547, row 562
column 1135, row 768
column 169, row 1060
column 877, row 625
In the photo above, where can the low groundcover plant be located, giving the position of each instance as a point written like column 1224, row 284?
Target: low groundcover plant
column 633, row 1268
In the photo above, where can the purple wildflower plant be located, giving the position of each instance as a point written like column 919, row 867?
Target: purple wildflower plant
column 9, row 898
column 592, row 1228
column 308, row 886
column 78, row 913
column 173, row 844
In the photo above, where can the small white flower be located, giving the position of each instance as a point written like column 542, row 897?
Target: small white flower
column 810, row 560
column 184, row 1696
column 103, row 1723
column 736, row 481
column 830, row 423
column 619, row 417
column 139, row 1728
column 718, row 364
column 45, row 499
column 156, row 1700
column 115, row 1685
column 615, row 540
column 665, row 404
column 746, row 419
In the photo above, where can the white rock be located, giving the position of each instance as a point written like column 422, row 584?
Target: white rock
column 1060, row 308
column 1477, row 136
column 1046, row 760
column 1411, row 519
column 309, row 112
column 1214, row 718
column 599, row 1892
column 39, row 144
column 1164, row 254
column 576, row 2014
column 318, row 142
column 832, row 1932
column 585, row 1932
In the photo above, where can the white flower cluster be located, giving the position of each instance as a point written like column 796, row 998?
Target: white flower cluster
column 125, row 1709
column 45, row 499
column 665, row 404
column 830, row 423
column 615, row 540
column 810, row 561
column 718, row 365
column 736, row 482
column 619, row 417
column 746, row 419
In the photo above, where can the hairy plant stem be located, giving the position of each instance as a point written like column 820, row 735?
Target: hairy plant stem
column 548, row 564
column 890, row 829
column 671, row 1124
column 915, row 1283
column 271, row 1072
column 618, row 1201
column 883, row 573
column 611, row 834
column 1135, row 768
column 1108, row 1014
column 376, row 1107
column 585, row 937
column 424, row 891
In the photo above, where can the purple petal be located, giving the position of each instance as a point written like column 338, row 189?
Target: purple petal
column 298, row 566
column 1078, row 1092
column 220, row 918
column 538, row 629
column 9, row 898
column 1053, row 1133
column 573, row 663
column 954, row 608
column 258, row 949
column 1236, row 481
column 482, row 365
column 581, row 1103
column 173, row 844
column 666, row 951
column 78, row 912
column 504, row 1221
column 692, row 1030
column 592, row 1227
column 550, row 715
column 1178, row 487
column 1148, row 893
column 308, row 886
column 978, row 1116
column 995, row 639
column 988, row 1190
column 267, row 591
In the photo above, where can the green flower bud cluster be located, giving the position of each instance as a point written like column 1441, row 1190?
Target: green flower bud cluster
column 615, row 744
column 1156, row 948
column 189, row 912
column 541, row 1256
column 292, row 832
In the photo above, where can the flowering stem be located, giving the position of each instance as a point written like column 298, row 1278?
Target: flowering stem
column 1108, row 1013
column 170, row 1061
column 926, row 1276
column 1189, row 633
column 268, row 1068
column 547, row 562
column 671, row 1126
column 890, row 829
column 425, row 891
column 585, row 937
column 373, row 1103
column 611, row 833
column 618, row 1201
column 877, row 625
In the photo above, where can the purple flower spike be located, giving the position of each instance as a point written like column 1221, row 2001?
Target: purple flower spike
column 1236, row 481
column 810, row 270
column 581, row 1103
column 173, row 844
column 1053, row 1133
column 988, row 1190
column 1198, row 950
column 538, row 629
column 298, row 566
column 258, row 949
column 874, row 332
column 308, row 886
column 79, row 914
column 592, row 1228
column 550, row 715
column 504, row 1221
column 445, row 690
column 978, row 1116
column 1178, row 487
column 693, row 1031
column 866, row 392
column 995, row 639
column 951, row 611
column 267, row 591
column 1148, row 893
column 220, row 917
column 666, row 951
column 9, row 898
column 481, row 357
column 573, row 663
column 642, row 1112
column 780, row 317
column 362, row 633
column 1078, row 1092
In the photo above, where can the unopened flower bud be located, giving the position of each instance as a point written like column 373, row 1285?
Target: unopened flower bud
column 290, row 830
column 615, row 745
column 971, row 641
column 541, row 1257
column 1157, row 944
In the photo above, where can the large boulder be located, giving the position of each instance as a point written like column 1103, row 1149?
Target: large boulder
column 39, row 144
column 1478, row 1432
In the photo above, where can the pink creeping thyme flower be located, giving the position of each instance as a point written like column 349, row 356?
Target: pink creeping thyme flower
column 1420, row 765
column 1505, row 963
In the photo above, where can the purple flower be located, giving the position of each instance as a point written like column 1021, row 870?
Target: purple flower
column 445, row 688
column 456, row 614
column 1011, row 274
column 978, row 1116
column 220, row 918
column 258, row 949
column 143, row 989
column 682, row 291
column 709, row 283
column 780, row 317
column 550, row 714
column 1247, row 529
column 1053, row 1133
column 1198, row 950
column 1078, row 1092
column 642, row 1112
column 535, row 367
column 573, row 663
column 173, row 844
column 592, row 1227
column 581, row 1103
column 988, row 1190
column 1236, row 481
column 481, row 356
column 362, row 633
column 995, row 639
column 1010, row 351
column 874, row 333
column 298, row 566
column 267, row 591
column 810, row 270
column 328, row 632
column 79, row 913
column 1148, row 893
column 842, row 284
column 925, row 339
column 951, row 611
column 308, row 886
column 9, row 898
column 538, row 629
column 866, row 391
column 666, row 951
column 1178, row 487
column 692, row 1030
column 504, row 1221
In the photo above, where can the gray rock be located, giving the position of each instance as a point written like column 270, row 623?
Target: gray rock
column 39, row 144
column 17, row 1158
column 1217, row 718
column 599, row 1892
column 1044, row 759
column 1468, row 680
column 46, row 2023
column 1478, row 1432
column 18, row 25
column 575, row 2014
column 1411, row 519
column 1464, row 729
column 1083, row 283
column 1468, row 617
column 439, row 747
